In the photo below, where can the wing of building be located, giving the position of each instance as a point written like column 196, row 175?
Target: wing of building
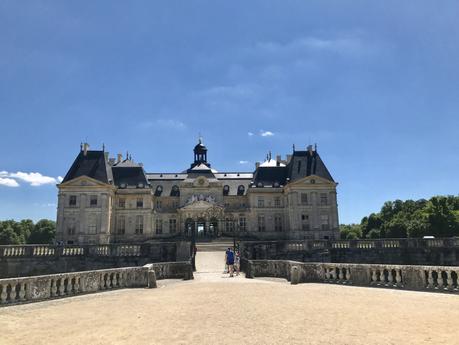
column 107, row 200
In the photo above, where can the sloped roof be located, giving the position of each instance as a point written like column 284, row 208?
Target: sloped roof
column 92, row 165
column 269, row 175
column 129, row 175
column 306, row 163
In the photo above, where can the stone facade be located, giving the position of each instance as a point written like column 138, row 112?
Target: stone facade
column 106, row 200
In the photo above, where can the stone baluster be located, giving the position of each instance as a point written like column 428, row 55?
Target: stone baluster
column 348, row 275
column 390, row 277
column 22, row 292
column 439, row 279
column 449, row 280
column 374, row 278
column 341, row 274
column 60, row 289
column 430, row 281
column 3, row 294
column 13, row 292
column 398, row 278
column 76, row 286
column 53, row 288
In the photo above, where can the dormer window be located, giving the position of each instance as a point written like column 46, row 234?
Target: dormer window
column 175, row 191
column 123, row 185
column 260, row 184
column 159, row 190
column 240, row 190
column 140, row 185
column 276, row 185
column 226, row 190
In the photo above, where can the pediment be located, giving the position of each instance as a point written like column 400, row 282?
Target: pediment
column 83, row 181
column 198, row 205
column 312, row 180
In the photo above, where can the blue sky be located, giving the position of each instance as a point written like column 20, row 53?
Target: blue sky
column 374, row 84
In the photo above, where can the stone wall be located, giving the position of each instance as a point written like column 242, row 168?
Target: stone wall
column 27, row 260
column 410, row 277
column 36, row 288
column 388, row 251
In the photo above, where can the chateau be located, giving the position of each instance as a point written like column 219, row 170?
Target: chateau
column 107, row 200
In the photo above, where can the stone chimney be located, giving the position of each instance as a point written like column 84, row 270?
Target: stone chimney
column 289, row 157
column 111, row 161
column 309, row 148
column 119, row 158
column 257, row 165
column 106, row 156
column 85, row 148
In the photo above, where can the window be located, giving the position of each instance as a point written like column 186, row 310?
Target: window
column 261, row 223
column 242, row 224
column 122, row 203
column 323, row 199
column 158, row 190
column 175, row 191
column 172, row 225
column 159, row 226
column 277, row 202
column 72, row 200
column 240, row 190
column 93, row 200
column 229, row 225
column 121, row 225
column 92, row 225
column 304, row 198
column 158, row 204
column 71, row 229
column 139, row 225
column 305, row 222
column 139, row 203
column 261, row 202
column 324, row 222
column 277, row 223
column 226, row 190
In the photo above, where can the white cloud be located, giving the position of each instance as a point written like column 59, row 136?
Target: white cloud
column 266, row 133
column 243, row 162
column 8, row 182
column 60, row 179
column 250, row 134
column 170, row 123
column 34, row 178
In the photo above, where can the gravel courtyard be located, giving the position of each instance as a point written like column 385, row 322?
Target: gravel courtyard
column 215, row 309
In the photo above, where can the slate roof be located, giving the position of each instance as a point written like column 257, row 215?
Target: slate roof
column 269, row 175
column 92, row 165
column 129, row 176
column 306, row 163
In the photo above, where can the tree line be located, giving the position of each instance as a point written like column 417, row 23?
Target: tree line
column 27, row 232
column 438, row 217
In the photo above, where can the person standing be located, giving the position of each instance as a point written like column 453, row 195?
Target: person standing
column 230, row 262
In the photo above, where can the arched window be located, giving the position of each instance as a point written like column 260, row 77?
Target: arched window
column 260, row 184
column 226, row 190
column 159, row 190
column 175, row 191
column 240, row 190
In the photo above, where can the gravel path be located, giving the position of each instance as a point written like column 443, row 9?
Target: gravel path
column 214, row 309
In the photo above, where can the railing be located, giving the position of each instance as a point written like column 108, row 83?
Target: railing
column 410, row 277
column 362, row 244
column 112, row 250
column 36, row 288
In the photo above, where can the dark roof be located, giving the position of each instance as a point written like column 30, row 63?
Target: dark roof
column 130, row 176
column 92, row 165
column 306, row 163
column 270, row 175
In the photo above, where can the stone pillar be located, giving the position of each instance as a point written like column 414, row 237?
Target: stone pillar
column 82, row 216
column 60, row 226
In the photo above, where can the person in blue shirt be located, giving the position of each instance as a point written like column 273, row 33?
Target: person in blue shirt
column 230, row 261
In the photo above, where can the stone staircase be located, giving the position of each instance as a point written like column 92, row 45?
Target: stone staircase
column 217, row 245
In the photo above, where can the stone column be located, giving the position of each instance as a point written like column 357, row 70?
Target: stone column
column 82, row 229
column 60, row 226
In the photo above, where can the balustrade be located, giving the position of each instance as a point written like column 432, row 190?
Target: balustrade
column 442, row 279
column 337, row 274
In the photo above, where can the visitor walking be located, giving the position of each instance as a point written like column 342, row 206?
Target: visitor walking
column 230, row 262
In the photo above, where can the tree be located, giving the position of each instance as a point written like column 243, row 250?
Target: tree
column 8, row 235
column 43, row 232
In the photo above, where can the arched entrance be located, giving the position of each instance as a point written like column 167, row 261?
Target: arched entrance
column 201, row 229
